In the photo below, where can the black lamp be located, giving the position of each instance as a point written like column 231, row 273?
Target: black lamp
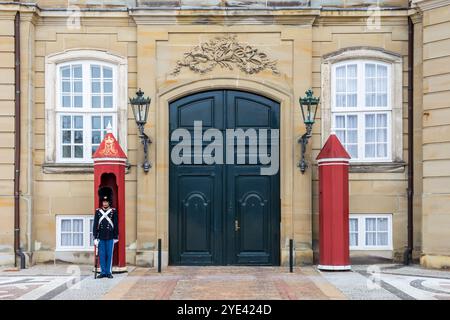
column 140, row 106
column 308, row 105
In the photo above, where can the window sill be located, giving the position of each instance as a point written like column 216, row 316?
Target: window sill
column 74, row 249
column 377, row 167
column 68, row 168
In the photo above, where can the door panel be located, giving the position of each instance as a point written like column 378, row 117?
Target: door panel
column 198, row 198
column 224, row 214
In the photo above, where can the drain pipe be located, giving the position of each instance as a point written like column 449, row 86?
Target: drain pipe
column 410, row 190
column 17, row 109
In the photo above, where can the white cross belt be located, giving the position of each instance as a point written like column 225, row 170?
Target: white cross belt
column 105, row 216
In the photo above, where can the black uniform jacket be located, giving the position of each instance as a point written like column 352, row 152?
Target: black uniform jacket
column 104, row 230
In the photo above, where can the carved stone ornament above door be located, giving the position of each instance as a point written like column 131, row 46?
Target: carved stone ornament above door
column 226, row 52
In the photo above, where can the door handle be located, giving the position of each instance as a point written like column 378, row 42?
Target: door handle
column 236, row 225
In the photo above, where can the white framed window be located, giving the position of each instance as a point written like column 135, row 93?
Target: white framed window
column 85, row 91
column 86, row 105
column 361, row 108
column 361, row 101
column 74, row 233
column 370, row 232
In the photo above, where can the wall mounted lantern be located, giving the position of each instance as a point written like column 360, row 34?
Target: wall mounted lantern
column 308, row 105
column 140, row 106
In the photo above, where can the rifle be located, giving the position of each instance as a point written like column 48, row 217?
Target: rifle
column 95, row 261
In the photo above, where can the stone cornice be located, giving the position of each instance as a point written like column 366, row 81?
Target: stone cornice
column 425, row 5
column 225, row 17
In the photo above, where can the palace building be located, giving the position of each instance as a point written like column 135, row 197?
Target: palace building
column 69, row 67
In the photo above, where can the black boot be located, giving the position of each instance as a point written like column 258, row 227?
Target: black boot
column 110, row 276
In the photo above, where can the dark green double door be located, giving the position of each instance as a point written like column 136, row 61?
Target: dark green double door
column 223, row 214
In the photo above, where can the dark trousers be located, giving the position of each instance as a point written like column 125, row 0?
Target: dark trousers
column 105, row 255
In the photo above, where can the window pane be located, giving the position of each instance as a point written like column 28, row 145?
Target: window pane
column 95, row 71
column 66, row 101
column 106, row 121
column 91, row 224
column 381, row 85
column 371, row 239
column 107, row 87
column 107, row 102
column 351, row 100
column 382, row 135
column 341, row 135
column 382, row 238
column 353, row 239
column 382, row 224
column 370, row 135
column 78, row 239
column 352, row 122
column 351, row 85
column 78, row 86
column 77, row 225
column 369, row 150
column 370, row 70
column 340, row 100
column 353, row 223
column 78, row 136
column 370, row 121
column 107, row 72
column 95, row 87
column 352, row 136
column 66, row 122
column 340, row 122
column 96, row 102
column 78, row 152
column 382, row 150
column 66, row 225
column 370, row 99
column 66, row 86
column 340, row 85
column 78, row 101
column 353, row 151
column 77, row 71
column 340, row 72
column 351, row 71
column 96, row 122
column 65, row 72
column 371, row 224
column 66, row 152
column 382, row 71
column 96, row 137
column 67, row 136
column 66, row 239
column 370, row 85
column 382, row 100
column 382, row 120
column 78, row 122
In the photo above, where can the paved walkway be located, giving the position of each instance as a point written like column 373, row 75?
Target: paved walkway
column 72, row 282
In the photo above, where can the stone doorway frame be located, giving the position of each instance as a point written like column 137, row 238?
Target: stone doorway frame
column 165, row 95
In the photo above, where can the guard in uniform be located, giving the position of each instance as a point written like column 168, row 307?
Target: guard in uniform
column 106, row 232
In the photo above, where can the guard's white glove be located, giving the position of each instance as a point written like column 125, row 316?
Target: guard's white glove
column 96, row 241
column 116, row 240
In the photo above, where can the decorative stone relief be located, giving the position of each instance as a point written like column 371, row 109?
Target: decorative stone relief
column 226, row 52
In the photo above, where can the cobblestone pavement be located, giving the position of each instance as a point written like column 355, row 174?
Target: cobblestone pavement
column 72, row 282
column 237, row 283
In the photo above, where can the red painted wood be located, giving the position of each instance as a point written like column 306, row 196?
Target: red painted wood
column 109, row 171
column 333, row 205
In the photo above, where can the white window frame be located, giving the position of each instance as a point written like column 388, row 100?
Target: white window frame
column 362, row 232
column 86, row 233
column 87, row 137
column 361, row 109
column 53, row 108
column 395, row 94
